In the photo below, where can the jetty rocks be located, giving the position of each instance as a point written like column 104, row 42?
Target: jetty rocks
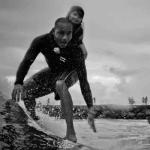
column 123, row 111
column 102, row 111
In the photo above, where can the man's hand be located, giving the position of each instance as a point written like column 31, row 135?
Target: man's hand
column 18, row 89
column 91, row 118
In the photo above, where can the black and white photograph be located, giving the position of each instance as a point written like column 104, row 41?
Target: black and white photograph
column 74, row 74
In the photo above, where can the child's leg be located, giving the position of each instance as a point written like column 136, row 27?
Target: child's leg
column 82, row 46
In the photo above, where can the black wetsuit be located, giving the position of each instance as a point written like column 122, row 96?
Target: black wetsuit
column 77, row 37
column 70, row 59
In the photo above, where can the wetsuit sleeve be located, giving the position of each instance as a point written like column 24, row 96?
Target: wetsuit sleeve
column 28, row 59
column 79, row 63
column 79, row 36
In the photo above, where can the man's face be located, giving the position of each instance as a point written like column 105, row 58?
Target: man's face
column 63, row 34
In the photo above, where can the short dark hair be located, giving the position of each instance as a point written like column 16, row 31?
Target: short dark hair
column 62, row 20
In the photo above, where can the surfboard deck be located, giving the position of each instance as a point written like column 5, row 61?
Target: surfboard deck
column 62, row 143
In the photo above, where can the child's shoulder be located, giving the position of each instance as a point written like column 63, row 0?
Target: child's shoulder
column 79, row 30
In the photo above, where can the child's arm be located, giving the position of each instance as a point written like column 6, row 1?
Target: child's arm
column 85, row 53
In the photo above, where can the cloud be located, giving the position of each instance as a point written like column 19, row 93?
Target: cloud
column 120, row 21
column 98, row 91
column 118, row 55
column 117, row 40
column 136, row 88
column 105, row 80
column 123, row 72
column 11, row 59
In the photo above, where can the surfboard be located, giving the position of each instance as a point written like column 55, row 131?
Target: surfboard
column 62, row 143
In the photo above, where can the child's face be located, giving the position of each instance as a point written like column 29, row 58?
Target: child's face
column 75, row 18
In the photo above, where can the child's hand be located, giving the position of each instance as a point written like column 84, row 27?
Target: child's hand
column 57, row 50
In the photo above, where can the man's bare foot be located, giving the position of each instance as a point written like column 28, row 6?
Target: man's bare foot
column 65, row 138
column 34, row 116
column 71, row 137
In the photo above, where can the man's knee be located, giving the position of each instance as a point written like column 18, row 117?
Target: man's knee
column 61, row 85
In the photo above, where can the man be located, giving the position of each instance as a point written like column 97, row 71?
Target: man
column 71, row 58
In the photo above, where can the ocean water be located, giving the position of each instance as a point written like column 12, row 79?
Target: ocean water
column 112, row 134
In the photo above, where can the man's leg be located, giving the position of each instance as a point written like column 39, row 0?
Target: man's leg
column 33, row 91
column 40, row 84
column 70, row 78
column 30, row 100
column 30, row 105
column 67, row 108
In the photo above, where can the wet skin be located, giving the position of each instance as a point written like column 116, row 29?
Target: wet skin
column 75, row 18
column 63, row 34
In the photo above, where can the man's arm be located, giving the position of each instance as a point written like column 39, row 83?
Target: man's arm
column 28, row 59
column 79, row 62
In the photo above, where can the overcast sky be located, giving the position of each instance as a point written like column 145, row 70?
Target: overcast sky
column 117, row 37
